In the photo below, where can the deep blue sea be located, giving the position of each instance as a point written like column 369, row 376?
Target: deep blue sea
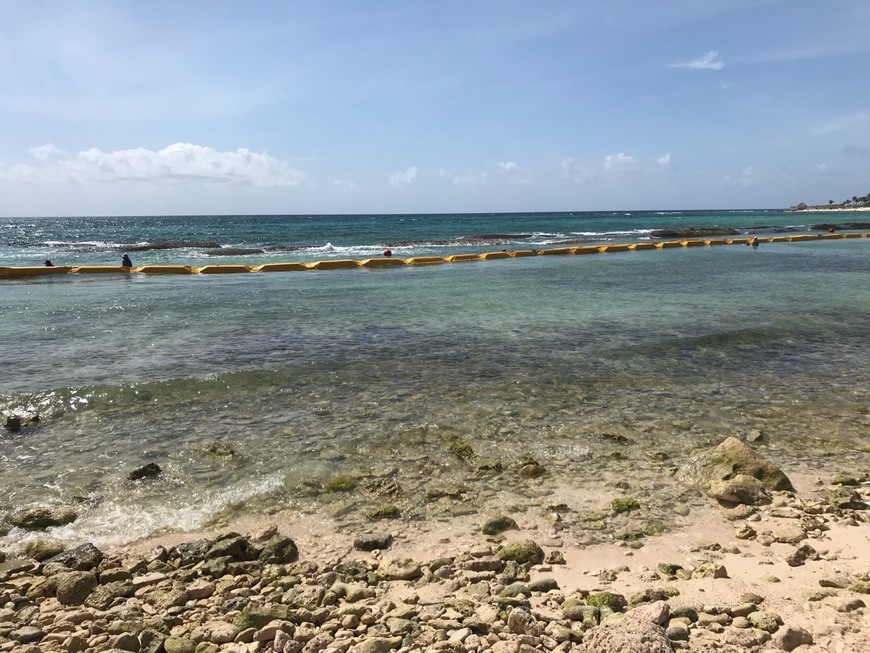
column 255, row 393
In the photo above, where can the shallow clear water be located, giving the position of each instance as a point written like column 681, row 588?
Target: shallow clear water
column 374, row 373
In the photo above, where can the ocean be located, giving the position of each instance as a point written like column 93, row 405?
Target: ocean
column 342, row 392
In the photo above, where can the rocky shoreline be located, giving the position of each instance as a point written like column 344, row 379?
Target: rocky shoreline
column 764, row 568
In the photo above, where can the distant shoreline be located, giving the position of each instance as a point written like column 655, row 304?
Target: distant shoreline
column 827, row 209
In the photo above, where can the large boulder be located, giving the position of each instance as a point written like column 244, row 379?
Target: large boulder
column 629, row 636
column 81, row 558
column 74, row 587
column 728, row 460
column 38, row 519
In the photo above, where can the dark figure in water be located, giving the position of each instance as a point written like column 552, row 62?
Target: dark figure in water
column 48, row 264
column 387, row 252
column 126, row 262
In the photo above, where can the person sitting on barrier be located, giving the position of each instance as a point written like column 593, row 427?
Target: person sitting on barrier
column 48, row 264
column 753, row 241
column 126, row 262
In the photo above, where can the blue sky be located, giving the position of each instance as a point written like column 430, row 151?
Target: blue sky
column 211, row 106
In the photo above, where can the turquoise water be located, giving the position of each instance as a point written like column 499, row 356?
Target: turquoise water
column 373, row 373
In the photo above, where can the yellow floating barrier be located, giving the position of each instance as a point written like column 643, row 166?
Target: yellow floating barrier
column 852, row 235
column 693, row 243
column 668, row 244
column 798, row 237
column 639, row 246
column 558, row 251
column 462, row 258
column 833, row 235
column 333, row 264
column 588, row 249
column 223, row 269
column 100, row 269
column 33, row 271
column 488, row 256
column 381, row 262
column 425, row 260
column 622, row 247
column 165, row 269
column 517, row 253
column 279, row 267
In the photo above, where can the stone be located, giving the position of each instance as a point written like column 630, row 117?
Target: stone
column 677, row 633
column 43, row 548
column 727, row 460
column 791, row 535
column 790, row 637
column 179, row 645
column 849, row 605
column 627, row 637
column 404, row 569
column 609, row 600
column 149, row 471
column 709, row 570
column 801, row 554
column 27, row 634
column 257, row 616
column 656, row 613
column 685, row 612
column 199, row 589
column 81, row 558
column 523, row 623
column 499, row 524
column 38, row 519
column 766, row 621
column 73, row 587
column 373, row 542
column 216, row 632
column 744, row 532
column 543, row 585
column 522, row 551
column 740, row 489
column 279, row 550
column 378, row 644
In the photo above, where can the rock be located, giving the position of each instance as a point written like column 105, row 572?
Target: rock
column 624, row 504
column 521, row 622
column 27, row 634
column 43, row 548
column 257, row 616
column 677, row 633
column 844, row 498
column 543, row 585
column 149, row 471
column 179, row 645
column 849, row 605
column 373, row 542
column 609, row 600
column 378, row 644
column 727, row 460
column 73, row 587
column 627, row 637
column 740, row 489
column 709, row 570
column 522, row 551
column 103, row 596
column 404, row 569
column 38, row 519
column 860, row 587
column 216, row 632
column 499, row 524
column 800, row 555
column 233, row 546
column 790, row 637
column 279, row 550
column 766, row 621
column 656, row 613
column 532, row 470
column 791, row 535
column 744, row 532
column 81, row 558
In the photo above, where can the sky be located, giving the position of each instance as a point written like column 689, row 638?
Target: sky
column 171, row 107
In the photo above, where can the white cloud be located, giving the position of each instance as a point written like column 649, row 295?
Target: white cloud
column 749, row 176
column 664, row 160
column 575, row 171
column 620, row 162
column 343, row 186
column 513, row 173
column 843, row 123
column 404, row 177
column 710, row 61
column 177, row 163
column 467, row 180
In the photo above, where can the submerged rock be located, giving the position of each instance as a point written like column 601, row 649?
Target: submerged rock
column 38, row 519
column 151, row 470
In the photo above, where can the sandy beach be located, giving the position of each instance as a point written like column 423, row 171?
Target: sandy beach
column 788, row 573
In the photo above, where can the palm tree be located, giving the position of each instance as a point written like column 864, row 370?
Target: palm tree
column 830, row 202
